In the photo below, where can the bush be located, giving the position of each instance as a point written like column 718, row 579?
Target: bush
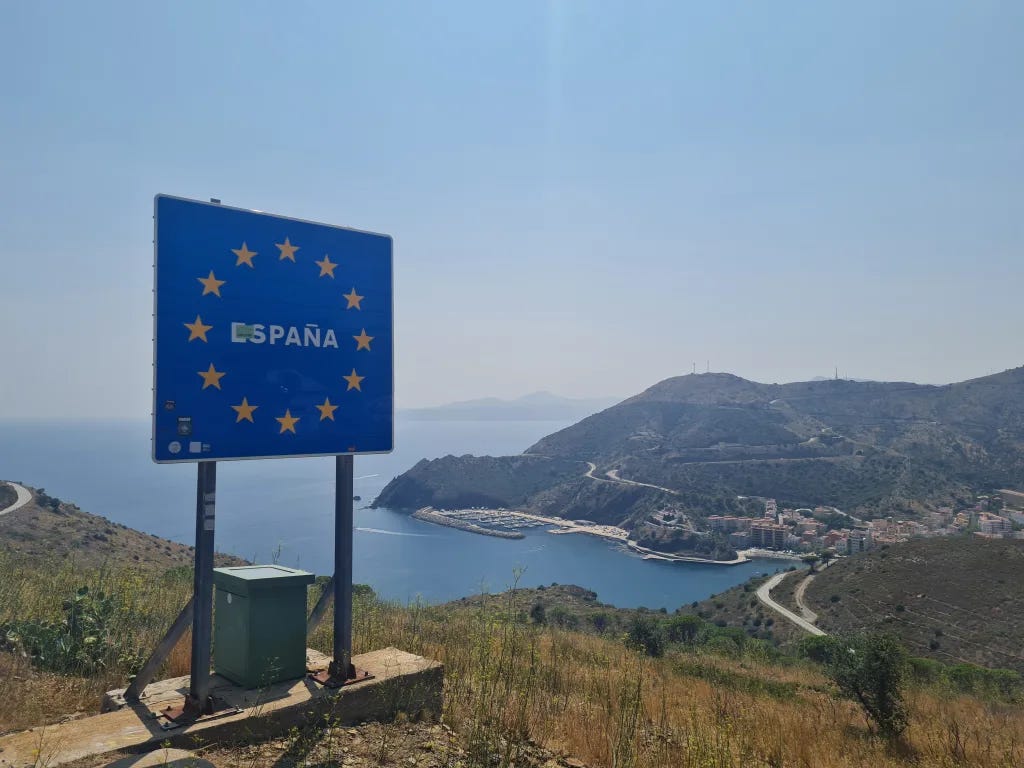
column 683, row 629
column 871, row 670
column 819, row 648
column 926, row 670
column 560, row 617
column 647, row 635
column 972, row 679
column 82, row 643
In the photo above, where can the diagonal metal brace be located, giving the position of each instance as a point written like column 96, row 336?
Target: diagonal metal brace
column 160, row 653
column 317, row 615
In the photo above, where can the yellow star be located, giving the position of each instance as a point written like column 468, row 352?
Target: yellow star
column 211, row 377
column 197, row 330
column 245, row 411
column 326, row 266
column 287, row 252
column 211, row 284
column 244, row 255
column 353, row 299
column 363, row 340
column 288, row 422
column 353, row 380
column 327, row 410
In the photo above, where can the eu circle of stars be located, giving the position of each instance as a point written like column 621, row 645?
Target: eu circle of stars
column 273, row 336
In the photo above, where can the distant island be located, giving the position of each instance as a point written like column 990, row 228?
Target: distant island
column 538, row 406
column 708, row 464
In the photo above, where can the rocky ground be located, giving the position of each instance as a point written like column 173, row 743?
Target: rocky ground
column 381, row 745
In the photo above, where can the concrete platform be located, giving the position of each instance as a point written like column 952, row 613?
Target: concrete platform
column 402, row 682
column 161, row 758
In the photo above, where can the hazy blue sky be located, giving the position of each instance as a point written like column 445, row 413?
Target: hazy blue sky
column 585, row 197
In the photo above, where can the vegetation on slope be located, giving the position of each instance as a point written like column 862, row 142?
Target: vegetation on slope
column 513, row 683
column 476, row 481
column 7, row 495
column 738, row 608
column 953, row 599
column 51, row 530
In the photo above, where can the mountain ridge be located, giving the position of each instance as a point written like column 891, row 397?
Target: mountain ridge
column 535, row 406
column 869, row 447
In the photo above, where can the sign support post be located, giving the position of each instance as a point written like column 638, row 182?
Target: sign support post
column 198, row 702
column 341, row 670
column 341, row 667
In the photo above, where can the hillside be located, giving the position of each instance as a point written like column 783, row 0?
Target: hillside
column 541, row 677
column 704, row 439
column 52, row 530
column 954, row 599
column 519, row 691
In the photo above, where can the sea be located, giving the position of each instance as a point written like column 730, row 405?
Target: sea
column 281, row 510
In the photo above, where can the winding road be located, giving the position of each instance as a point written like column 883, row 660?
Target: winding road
column 24, row 497
column 764, row 595
column 614, row 475
column 798, row 595
column 805, row 622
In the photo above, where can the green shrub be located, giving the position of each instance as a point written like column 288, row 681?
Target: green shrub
column 683, row 629
column 819, row 648
column 83, row 642
column 646, row 634
column 871, row 670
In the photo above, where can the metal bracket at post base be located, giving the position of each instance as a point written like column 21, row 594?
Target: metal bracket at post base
column 332, row 677
column 190, row 711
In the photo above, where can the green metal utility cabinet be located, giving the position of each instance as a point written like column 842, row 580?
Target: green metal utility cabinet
column 259, row 633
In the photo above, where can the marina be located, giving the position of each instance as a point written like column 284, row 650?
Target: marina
column 494, row 518
column 497, row 521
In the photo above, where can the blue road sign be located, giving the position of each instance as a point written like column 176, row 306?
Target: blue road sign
column 273, row 336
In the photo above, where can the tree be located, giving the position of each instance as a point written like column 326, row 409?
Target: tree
column 871, row 670
column 537, row 613
column 646, row 634
column 683, row 629
column 811, row 559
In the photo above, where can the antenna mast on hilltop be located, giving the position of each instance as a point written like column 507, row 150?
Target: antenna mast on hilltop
column 837, row 373
column 695, row 367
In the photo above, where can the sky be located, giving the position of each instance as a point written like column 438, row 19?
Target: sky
column 584, row 197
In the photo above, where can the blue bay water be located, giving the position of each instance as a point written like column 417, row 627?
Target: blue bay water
column 283, row 509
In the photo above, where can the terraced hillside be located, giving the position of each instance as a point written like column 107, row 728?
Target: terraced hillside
column 958, row 599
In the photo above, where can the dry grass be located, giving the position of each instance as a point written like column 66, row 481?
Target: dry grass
column 507, row 682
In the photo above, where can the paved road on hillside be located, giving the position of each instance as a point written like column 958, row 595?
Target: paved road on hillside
column 614, row 475
column 591, row 468
column 798, row 595
column 24, row 497
column 764, row 595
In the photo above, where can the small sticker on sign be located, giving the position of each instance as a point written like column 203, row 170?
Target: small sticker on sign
column 242, row 332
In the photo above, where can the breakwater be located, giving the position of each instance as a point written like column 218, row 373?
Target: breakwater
column 430, row 515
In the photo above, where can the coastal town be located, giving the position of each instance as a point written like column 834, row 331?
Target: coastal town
column 779, row 532
column 813, row 530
